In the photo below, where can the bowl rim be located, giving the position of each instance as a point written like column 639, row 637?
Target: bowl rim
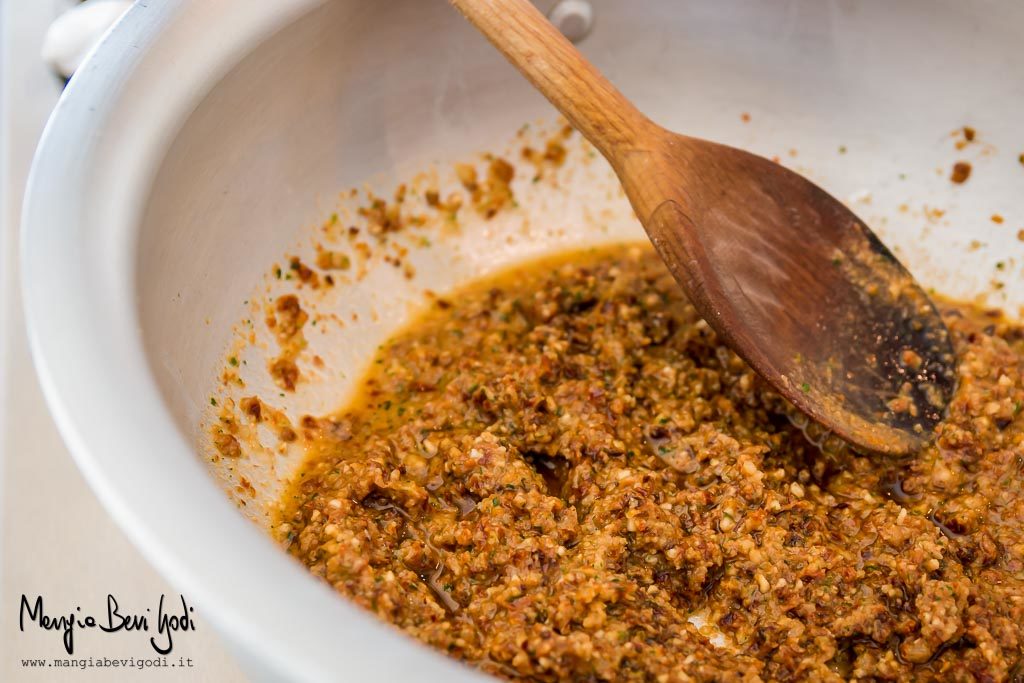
column 87, row 190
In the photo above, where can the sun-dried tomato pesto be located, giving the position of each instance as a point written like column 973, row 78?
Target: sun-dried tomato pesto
column 552, row 471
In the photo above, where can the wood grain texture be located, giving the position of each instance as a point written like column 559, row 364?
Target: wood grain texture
column 788, row 276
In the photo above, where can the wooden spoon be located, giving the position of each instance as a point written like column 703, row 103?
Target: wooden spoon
column 788, row 277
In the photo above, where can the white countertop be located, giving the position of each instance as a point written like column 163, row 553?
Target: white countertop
column 57, row 541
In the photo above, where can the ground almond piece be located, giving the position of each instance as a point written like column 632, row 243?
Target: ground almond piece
column 332, row 260
column 226, row 444
column 961, row 172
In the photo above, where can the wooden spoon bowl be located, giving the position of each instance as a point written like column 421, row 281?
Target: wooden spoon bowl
column 788, row 276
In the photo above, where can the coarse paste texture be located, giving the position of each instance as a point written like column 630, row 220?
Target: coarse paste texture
column 553, row 470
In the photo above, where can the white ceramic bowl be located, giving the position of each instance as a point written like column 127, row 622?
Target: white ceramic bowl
column 203, row 140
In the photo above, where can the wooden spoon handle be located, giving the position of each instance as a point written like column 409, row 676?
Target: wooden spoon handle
column 559, row 71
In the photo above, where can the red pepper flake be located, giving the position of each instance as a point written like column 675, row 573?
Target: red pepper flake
column 961, row 172
column 745, row 117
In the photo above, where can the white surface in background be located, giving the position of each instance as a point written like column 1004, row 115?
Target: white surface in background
column 56, row 539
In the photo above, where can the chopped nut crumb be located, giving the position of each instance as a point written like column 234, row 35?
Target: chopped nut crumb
column 332, row 260
column 285, row 373
column 961, row 172
column 227, row 445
